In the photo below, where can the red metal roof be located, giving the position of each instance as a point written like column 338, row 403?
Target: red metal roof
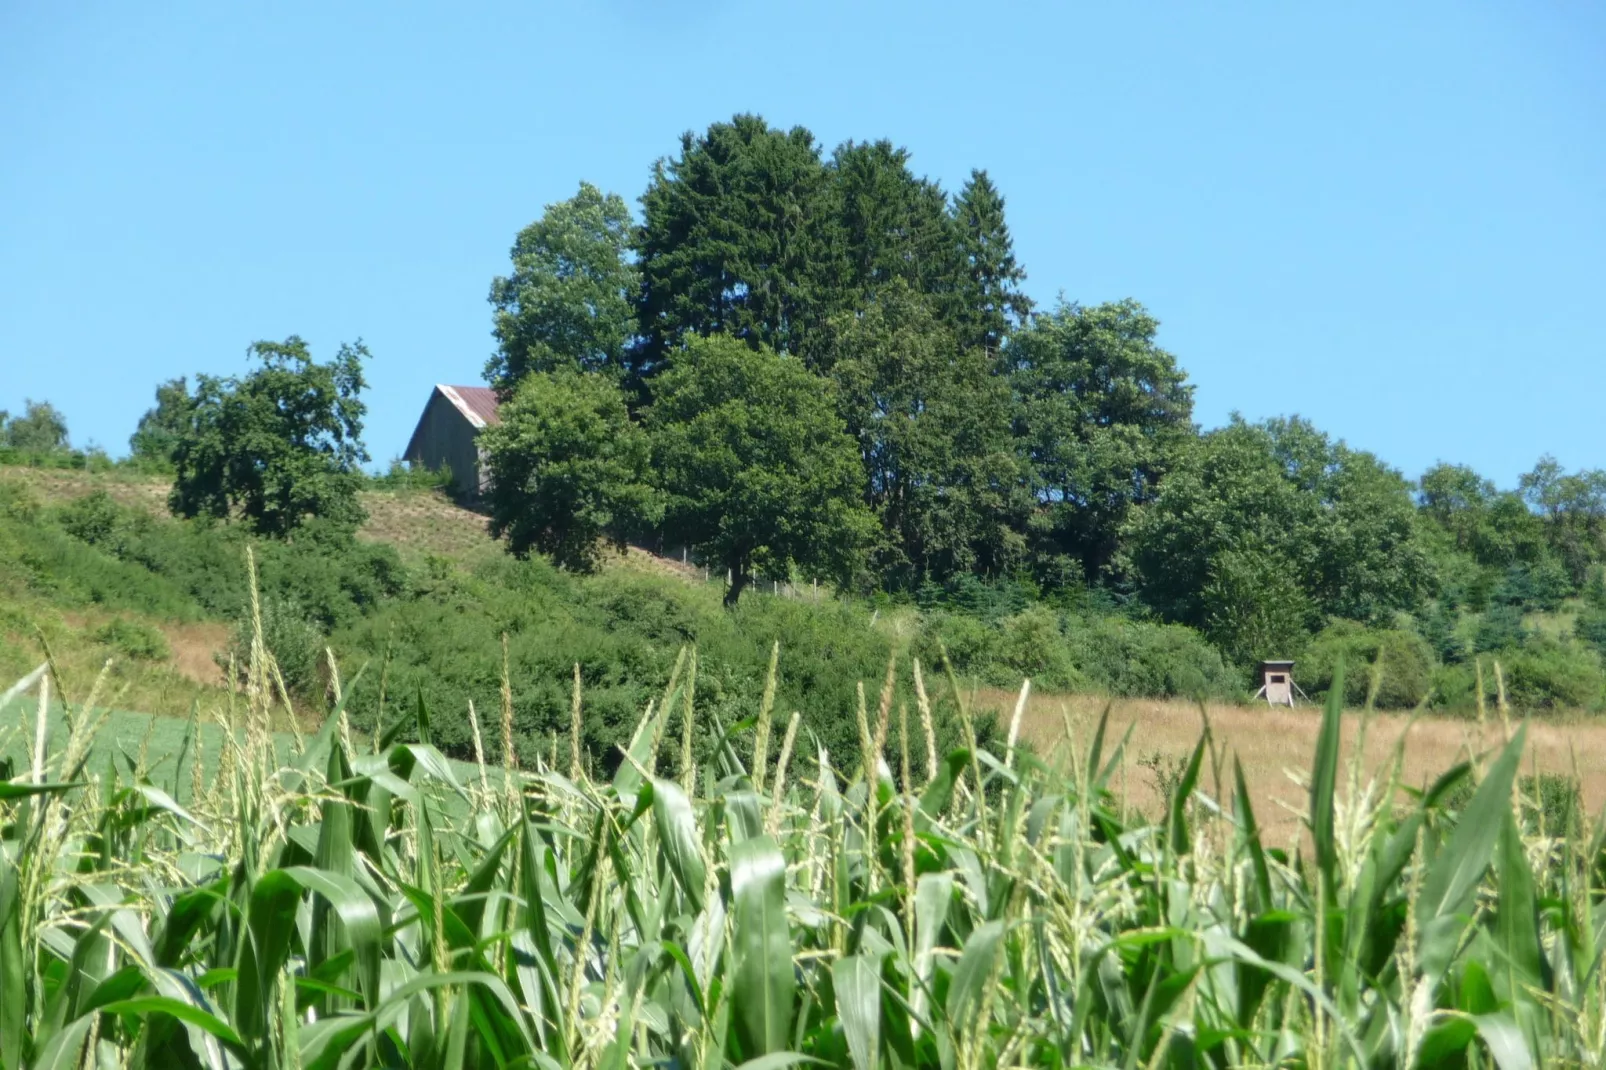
column 478, row 403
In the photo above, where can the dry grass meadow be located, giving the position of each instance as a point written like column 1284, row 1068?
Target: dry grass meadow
column 1276, row 746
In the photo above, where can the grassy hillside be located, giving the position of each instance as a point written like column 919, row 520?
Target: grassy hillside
column 93, row 568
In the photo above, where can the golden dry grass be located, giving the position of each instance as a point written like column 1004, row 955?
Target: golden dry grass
column 1276, row 745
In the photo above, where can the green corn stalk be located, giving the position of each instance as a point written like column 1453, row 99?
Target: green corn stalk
column 326, row 908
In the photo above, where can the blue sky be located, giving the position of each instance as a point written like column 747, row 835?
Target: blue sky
column 1390, row 218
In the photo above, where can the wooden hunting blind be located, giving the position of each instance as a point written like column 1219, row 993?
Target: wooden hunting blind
column 1277, row 683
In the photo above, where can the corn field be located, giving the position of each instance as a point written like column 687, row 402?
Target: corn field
column 365, row 902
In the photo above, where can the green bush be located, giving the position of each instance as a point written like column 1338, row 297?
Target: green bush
column 1138, row 658
column 1030, row 645
column 294, row 642
column 1406, row 661
column 1542, row 674
column 134, row 639
column 1545, row 675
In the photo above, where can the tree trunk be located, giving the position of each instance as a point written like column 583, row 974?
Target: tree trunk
column 739, row 581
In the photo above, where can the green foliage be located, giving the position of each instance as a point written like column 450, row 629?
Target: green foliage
column 40, row 430
column 1573, row 506
column 407, row 476
column 1111, row 654
column 133, row 639
column 1500, row 628
column 154, row 442
column 1262, row 524
column 994, row 304
column 292, row 642
column 569, row 302
column 1253, row 605
column 1131, row 658
column 568, row 468
column 1552, row 805
column 1404, row 660
column 1544, row 674
column 1539, row 675
column 733, row 240
column 756, row 471
column 932, row 424
column 278, row 445
column 1101, row 412
column 1440, row 626
column 320, row 904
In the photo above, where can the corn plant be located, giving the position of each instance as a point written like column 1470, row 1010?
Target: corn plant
column 365, row 902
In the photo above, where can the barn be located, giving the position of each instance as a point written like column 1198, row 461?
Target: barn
column 446, row 433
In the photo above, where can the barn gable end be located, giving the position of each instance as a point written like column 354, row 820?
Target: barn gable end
column 447, row 431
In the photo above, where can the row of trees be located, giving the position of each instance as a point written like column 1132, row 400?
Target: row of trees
column 990, row 442
column 826, row 364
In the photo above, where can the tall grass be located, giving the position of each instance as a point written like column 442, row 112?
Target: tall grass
column 362, row 904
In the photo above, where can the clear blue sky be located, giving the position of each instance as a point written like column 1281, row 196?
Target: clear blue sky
column 1390, row 218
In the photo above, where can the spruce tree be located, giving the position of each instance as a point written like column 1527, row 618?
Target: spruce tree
column 993, row 304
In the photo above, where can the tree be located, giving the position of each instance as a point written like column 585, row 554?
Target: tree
column 1252, row 502
column 40, row 429
column 756, row 469
column 570, row 301
column 277, row 446
column 1101, row 413
column 885, row 224
column 730, row 241
column 567, row 468
column 993, row 305
column 1573, row 506
column 157, row 436
column 932, row 425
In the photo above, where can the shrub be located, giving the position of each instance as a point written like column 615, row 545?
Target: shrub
column 1405, row 659
column 1138, row 658
column 134, row 639
column 1543, row 674
column 296, row 645
column 1546, row 675
column 1500, row 628
column 1030, row 645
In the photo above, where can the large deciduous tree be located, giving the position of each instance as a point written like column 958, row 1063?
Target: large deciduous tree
column 755, row 467
column 570, row 300
column 1259, row 524
column 278, row 445
column 1100, row 414
column 568, row 468
column 1573, row 507
column 932, row 425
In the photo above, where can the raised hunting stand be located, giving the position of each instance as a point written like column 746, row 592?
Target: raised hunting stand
column 1277, row 683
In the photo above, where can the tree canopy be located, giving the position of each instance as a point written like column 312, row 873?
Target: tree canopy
column 834, row 367
column 933, row 428
column 1262, row 529
column 569, row 302
column 41, row 429
column 757, row 471
column 277, row 446
column 568, row 468
column 156, row 438
column 1101, row 412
